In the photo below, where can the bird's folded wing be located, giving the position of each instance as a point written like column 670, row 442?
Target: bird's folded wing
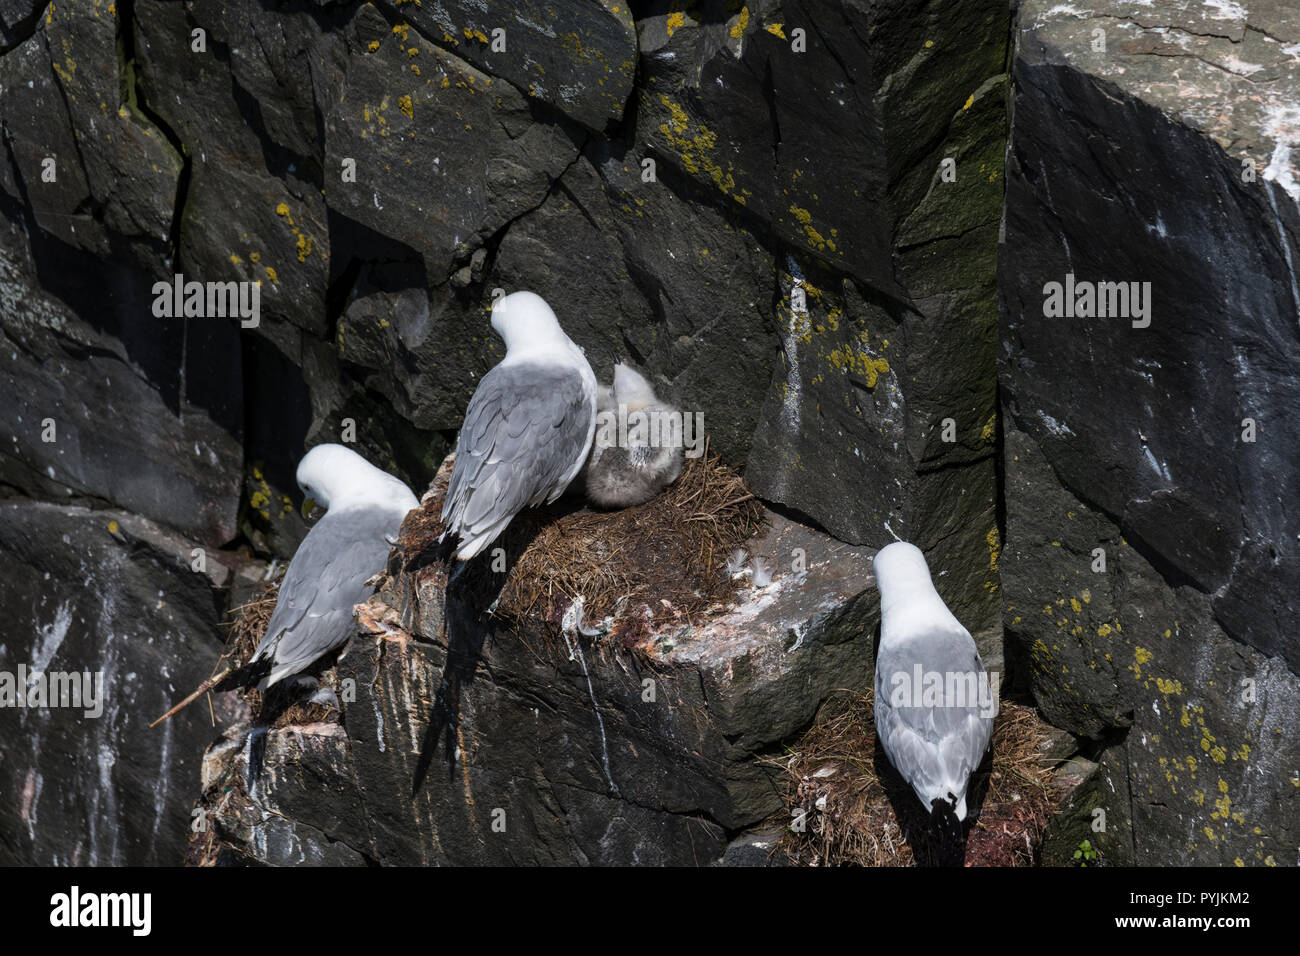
column 951, row 655
column 524, row 428
column 313, row 614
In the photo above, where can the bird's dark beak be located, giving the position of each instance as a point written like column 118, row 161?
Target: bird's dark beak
column 308, row 507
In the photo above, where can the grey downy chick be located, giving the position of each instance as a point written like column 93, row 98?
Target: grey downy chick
column 637, row 451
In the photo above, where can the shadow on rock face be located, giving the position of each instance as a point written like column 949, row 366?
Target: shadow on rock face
column 937, row 838
column 470, row 598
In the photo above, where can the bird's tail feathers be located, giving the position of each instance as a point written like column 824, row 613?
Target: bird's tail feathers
column 248, row 675
column 472, row 544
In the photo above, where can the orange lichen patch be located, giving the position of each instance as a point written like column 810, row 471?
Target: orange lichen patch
column 302, row 241
column 742, row 21
column 697, row 149
column 815, row 239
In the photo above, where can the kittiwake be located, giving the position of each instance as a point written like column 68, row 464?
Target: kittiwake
column 327, row 576
column 934, row 713
column 528, row 427
column 637, row 451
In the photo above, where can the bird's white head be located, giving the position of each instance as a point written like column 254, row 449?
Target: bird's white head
column 333, row 476
column 631, row 389
column 526, row 323
column 902, row 576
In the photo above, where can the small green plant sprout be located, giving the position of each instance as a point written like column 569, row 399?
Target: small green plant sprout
column 1085, row 854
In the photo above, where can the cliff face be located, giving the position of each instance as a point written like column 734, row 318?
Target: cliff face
column 750, row 201
column 718, row 195
column 1168, row 440
column 467, row 740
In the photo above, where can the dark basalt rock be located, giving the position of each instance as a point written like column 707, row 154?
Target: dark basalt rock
column 445, row 154
column 579, row 58
column 106, row 403
column 517, row 746
column 1130, row 438
column 114, row 172
column 101, row 789
column 777, row 174
column 252, row 208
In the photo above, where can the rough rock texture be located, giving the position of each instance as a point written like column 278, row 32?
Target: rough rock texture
column 857, row 126
column 1181, row 657
column 111, row 179
column 78, row 789
column 665, row 177
column 467, row 746
column 676, row 179
column 577, row 57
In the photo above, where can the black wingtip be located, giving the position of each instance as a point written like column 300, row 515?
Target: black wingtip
column 943, row 817
column 245, row 676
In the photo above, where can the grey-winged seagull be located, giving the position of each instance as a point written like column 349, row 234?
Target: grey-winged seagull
column 934, row 735
column 527, row 429
column 327, row 576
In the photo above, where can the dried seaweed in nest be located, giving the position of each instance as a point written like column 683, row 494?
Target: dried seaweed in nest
column 667, row 555
column 859, row 812
column 246, row 630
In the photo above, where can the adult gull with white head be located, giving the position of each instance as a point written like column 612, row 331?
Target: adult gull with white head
column 327, row 576
column 932, row 717
column 527, row 429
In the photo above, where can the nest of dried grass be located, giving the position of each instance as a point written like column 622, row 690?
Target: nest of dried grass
column 664, row 558
column 672, row 548
column 246, row 627
column 860, row 812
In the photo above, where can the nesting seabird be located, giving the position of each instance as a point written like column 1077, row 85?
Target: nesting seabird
column 528, row 427
column 637, row 451
column 934, row 735
column 327, row 576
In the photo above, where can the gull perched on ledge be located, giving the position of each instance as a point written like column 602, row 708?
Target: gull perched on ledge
column 528, row 427
column 934, row 713
column 327, row 576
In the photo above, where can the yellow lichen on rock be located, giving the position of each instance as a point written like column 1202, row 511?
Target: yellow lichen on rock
column 694, row 150
column 742, row 21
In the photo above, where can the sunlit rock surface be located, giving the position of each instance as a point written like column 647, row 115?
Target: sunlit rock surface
column 1165, row 159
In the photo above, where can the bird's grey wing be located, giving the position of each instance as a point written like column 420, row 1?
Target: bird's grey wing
column 930, row 745
column 313, row 614
column 524, row 428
